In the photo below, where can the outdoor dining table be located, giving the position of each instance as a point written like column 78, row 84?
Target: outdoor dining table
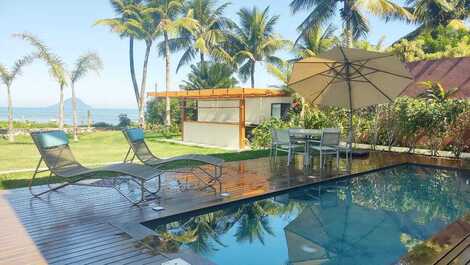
column 306, row 136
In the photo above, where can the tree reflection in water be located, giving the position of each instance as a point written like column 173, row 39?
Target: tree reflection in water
column 402, row 195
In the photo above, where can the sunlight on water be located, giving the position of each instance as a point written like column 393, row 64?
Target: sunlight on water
column 373, row 219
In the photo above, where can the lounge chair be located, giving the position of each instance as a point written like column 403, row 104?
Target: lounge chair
column 139, row 149
column 60, row 161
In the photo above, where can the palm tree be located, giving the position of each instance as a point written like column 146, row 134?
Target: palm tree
column 208, row 35
column 56, row 68
column 86, row 63
column 431, row 13
column 355, row 23
column 140, row 24
column 168, row 11
column 282, row 72
column 8, row 76
column 315, row 41
column 253, row 221
column 126, row 9
column 254, row 40
column 366, row 45
column 435, row 91
column 210, row 75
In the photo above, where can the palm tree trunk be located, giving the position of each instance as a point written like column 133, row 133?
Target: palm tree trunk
column 168, row 79
column 143, row 85
column 203, row 60
column 11, row 136
column 74, row 113
column 61, row 107
column 132, row 68
column 253, row 74
column 348, row 27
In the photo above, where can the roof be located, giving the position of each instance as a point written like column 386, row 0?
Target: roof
column 450, row 72
column 222, row 93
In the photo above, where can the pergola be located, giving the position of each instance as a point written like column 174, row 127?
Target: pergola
column 219, row 94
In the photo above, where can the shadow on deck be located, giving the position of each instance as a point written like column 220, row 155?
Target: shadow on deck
column 81, row 225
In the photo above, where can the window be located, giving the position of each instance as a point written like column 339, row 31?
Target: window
column 280, row 110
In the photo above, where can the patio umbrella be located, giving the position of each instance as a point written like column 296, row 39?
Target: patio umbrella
column 350, row 78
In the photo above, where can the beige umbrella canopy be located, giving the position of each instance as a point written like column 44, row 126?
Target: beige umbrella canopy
column 350, row 78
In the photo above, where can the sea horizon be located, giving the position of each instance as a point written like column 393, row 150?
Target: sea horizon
column 46, row 114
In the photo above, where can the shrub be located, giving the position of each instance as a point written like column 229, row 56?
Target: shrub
column 459, row 133
column 262, row 133
column 124, row 121
column 102, row 124
column 407, row 122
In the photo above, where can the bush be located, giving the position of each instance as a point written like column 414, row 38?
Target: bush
column 102, row 124
column 459, row 133
column 155, row 113
column 262, row 135
column 407, row 122
column 124, row 121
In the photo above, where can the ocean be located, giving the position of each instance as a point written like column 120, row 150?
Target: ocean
column 50, row 114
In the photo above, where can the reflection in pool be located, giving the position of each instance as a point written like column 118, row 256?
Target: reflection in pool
column 372, row 219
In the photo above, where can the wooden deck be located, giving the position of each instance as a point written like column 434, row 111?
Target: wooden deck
column 83, row 225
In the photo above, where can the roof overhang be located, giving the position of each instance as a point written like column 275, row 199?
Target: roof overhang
column 221, row 93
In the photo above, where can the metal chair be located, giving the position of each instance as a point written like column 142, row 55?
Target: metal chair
column 328, row 145
column 139, row 149
column 60, row 161
column 282, row 141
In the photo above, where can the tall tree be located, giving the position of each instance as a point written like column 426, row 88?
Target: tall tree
column 208, row 35
column 147, row 26
column 85, row 63
column 282, row 72
column 210, row 75
column 171, row 21
column 56, row 68
column 139, row 24
column 254, row 40
column 8, row 76
column 315, row 41
column 355, row 24
column 125, row 9
column 430, row 14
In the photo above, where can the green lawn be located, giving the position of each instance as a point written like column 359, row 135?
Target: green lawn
column 95, row 148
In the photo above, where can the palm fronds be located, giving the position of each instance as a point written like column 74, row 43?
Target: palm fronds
column 54, row 62
column 86, row 63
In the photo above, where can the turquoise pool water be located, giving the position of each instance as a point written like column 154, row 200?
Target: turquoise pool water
column 372, row 219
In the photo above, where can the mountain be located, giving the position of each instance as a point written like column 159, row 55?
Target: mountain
column 81, row 106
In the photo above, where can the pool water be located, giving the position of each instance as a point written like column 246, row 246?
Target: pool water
column 372, row 219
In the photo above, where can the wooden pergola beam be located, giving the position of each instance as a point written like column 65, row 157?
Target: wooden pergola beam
column 220, row 93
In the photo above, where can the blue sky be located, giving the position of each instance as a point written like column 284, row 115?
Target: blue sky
column 67, row 28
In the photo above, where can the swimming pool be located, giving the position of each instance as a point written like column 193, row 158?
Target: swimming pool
column 372, row 219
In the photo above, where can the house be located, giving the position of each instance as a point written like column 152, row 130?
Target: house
column 225, row 116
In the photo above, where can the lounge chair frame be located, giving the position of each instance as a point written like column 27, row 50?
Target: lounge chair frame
column 72, row 172
column 140, row 150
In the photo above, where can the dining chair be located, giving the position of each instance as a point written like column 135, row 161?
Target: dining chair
column 328, row 145
column 281, row 141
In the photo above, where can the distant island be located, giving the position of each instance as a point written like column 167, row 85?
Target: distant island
column 81, row 106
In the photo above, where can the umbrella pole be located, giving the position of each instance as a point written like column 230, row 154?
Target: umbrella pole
column 350, row 135
column 348, row 81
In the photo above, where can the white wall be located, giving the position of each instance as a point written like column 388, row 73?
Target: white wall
column 256, row 109
column 213, row 134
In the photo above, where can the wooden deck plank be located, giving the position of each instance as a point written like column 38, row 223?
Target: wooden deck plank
column 80, row 225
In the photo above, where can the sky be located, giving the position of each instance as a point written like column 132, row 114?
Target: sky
column 67, row 28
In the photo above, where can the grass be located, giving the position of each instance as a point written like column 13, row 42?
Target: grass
column 95, row 148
